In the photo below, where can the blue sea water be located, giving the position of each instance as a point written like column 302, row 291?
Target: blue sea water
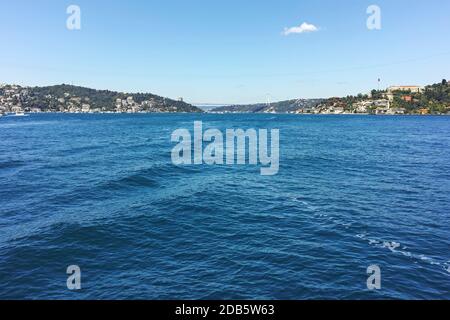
column 101, row 192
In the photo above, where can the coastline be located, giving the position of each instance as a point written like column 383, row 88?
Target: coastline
column 222, row 114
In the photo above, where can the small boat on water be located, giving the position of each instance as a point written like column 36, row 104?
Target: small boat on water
column 20, row 114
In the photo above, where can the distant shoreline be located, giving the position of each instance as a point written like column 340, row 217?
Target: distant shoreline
column 220, row 114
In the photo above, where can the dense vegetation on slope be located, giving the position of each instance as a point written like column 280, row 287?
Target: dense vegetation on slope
column 435, row 99
column 53, row 98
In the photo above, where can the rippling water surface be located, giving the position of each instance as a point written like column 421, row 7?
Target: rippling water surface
column 100, row 191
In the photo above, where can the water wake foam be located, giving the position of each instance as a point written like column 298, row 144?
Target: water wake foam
column 397, row 248
column 394, row 247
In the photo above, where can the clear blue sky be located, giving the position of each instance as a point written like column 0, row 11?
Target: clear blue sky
column 233, row 51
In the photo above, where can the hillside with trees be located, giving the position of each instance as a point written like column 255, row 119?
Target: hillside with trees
column 432, row 99
column 435, row 99
column 68, row 98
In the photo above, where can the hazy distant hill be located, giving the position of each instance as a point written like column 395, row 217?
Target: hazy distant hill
column 208, row 107
column 289, row 106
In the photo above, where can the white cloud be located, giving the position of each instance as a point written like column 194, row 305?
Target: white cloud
column 303, row 28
